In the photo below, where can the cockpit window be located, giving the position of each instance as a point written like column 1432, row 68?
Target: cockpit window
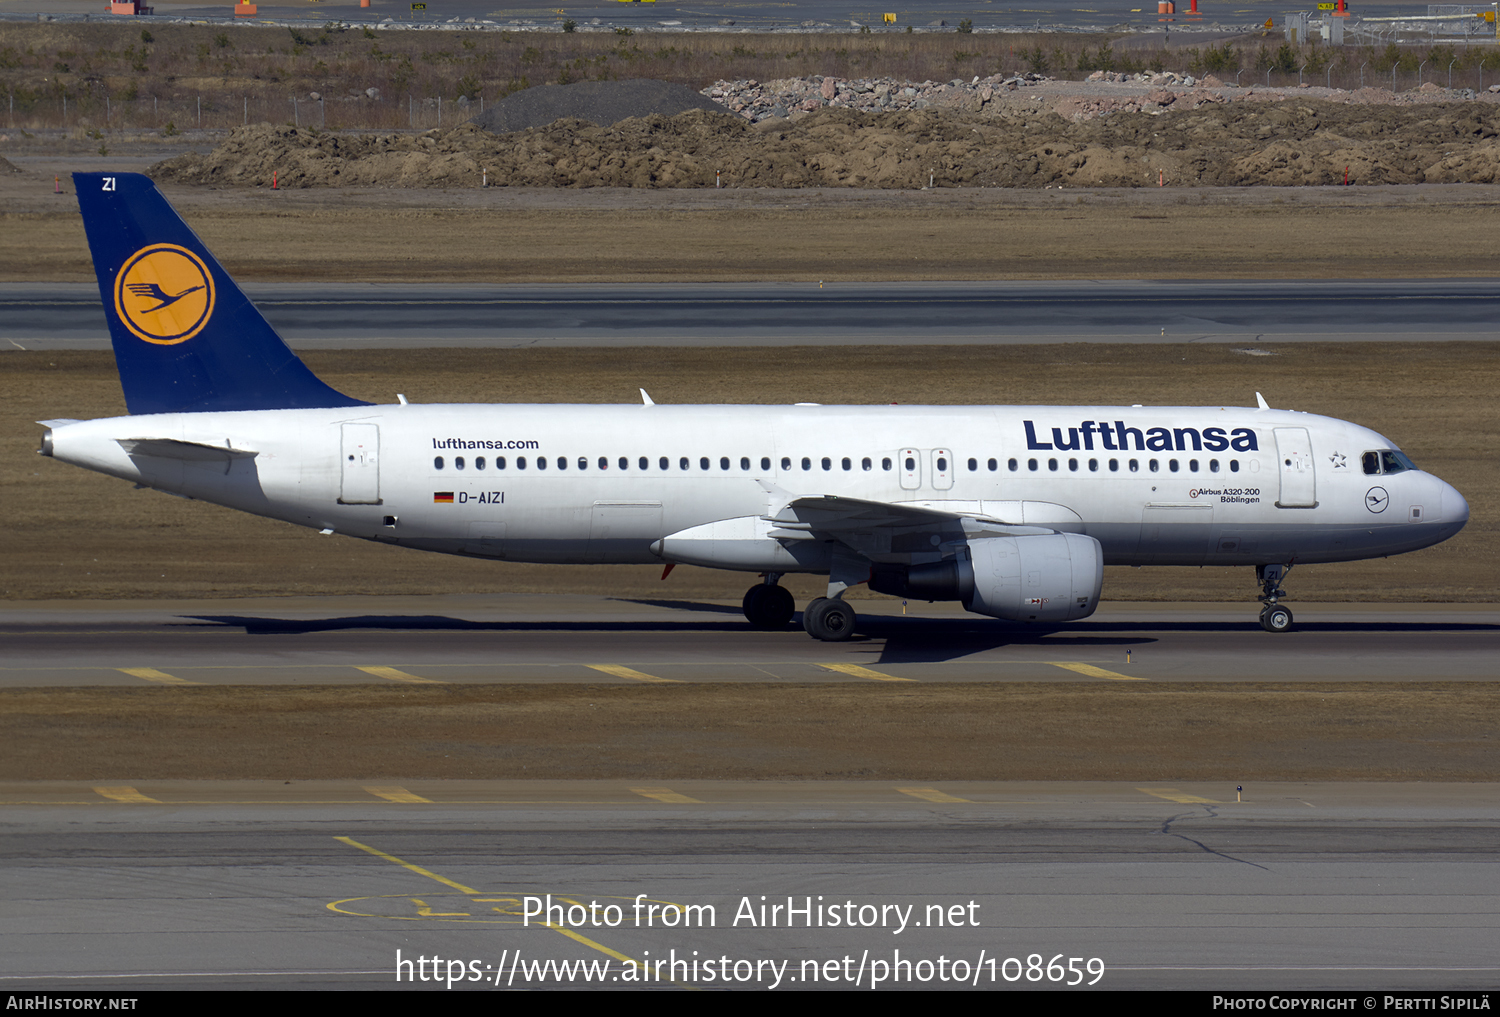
column 1385, row 461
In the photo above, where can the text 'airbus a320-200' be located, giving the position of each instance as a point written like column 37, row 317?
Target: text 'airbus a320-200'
column 1012, row 510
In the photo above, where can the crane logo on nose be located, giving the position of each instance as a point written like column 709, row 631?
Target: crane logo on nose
column 1376, row 499
column 164, row 294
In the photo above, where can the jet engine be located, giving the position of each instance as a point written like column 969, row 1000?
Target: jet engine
column 1052, row 577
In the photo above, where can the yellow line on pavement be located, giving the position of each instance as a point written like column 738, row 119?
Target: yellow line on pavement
column 407, row 865
column 1171, row 794
column 665, row 794
column 469, row 890
column 1094, row 672
column 620, row 671
column 396, row 676
column 863, row 672
column 125, row 794
column 930, row 794
column 396, row 794
column 151, row 674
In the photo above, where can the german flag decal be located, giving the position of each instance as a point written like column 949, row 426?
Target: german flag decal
column 442, row 497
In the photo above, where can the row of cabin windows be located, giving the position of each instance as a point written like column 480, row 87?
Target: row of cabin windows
column 826, row 462
column 1153, row 465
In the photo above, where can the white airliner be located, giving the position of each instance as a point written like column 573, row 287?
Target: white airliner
column 1012, row 510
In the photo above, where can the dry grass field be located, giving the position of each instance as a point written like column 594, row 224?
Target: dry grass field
column 716, row 731
column 75, row 534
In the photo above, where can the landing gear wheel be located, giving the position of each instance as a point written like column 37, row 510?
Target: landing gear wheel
column 829, row 620
column 768, row 607
column 1275, row 619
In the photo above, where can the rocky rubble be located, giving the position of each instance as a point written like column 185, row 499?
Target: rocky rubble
column 1284, row 143
column 787, row 98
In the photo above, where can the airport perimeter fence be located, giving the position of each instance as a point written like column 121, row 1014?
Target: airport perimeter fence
column 104, row 114
column 98, row 115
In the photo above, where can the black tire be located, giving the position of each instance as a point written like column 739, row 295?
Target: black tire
column 832, row 621
column 768, row 607
column 809, row 610
column 1276, row 619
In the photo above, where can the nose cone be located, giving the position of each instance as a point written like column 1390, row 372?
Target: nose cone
column 1455, row 508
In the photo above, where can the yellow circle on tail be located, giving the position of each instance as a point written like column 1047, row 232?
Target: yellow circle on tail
column 164, row 294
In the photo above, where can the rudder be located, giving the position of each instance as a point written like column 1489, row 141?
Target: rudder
column 186, row 338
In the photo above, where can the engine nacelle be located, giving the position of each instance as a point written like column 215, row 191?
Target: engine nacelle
column 1050, row 577
column 1044, row 577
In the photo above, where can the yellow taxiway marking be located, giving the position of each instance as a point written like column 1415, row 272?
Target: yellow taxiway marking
column 151, row 674
column 474, row 893
column 126, row 794
column 395, row 794
column 396, row 675
column 665, row 794
column 930, row 794
column 1094, row 672
column 1171, row 794
column 620, row 671
column 863, row 672
column 407, row 865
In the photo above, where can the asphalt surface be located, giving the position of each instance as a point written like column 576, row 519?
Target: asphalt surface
column 224, row 886
column 548, row 639
column 69, row 316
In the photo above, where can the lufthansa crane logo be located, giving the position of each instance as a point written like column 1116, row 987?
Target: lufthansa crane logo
column 164, row 294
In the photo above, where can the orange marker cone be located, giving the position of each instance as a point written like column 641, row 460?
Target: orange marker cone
column 273, row 181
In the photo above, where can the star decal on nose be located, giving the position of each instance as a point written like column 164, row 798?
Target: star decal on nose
column 1339, row 460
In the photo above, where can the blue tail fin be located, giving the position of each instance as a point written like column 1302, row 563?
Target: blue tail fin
column 186, row 339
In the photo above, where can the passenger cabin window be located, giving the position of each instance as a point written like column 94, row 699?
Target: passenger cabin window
column 499, row 462
column 847, row 463
column 583, row 462
column 520, row 462
column 885, row 464
column 1031, row 464
column 703, row 463
column 786, row 462
column 827, row 463
column 682, row 463
column 973, row 465
column 458, row 462
column 562, row 462
column 1014, row 465
column 541, row 462
column 995, row 465
column 645, row 463
column 865, row 464
column 765, row 464
column 437, row 463
column 479, row 462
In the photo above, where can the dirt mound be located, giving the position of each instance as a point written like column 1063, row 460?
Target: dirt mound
column 1238, row 144
column 6, row 166
column 599, row 102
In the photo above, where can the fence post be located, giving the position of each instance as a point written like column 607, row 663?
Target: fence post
column 200, row 112
column 296, row 117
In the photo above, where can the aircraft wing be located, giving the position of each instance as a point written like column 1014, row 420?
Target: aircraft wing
column 886, row 530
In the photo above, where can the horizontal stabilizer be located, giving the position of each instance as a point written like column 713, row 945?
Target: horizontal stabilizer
column 187, row 451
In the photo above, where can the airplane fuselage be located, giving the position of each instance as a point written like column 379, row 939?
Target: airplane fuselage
column 610, row 483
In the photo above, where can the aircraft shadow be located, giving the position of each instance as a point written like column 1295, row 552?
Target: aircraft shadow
column 298, row 626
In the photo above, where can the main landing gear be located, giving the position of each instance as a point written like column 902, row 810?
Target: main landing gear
column 829, row 619
column 767, row 605
column 1273, row 617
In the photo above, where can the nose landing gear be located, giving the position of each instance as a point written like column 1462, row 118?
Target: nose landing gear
column 1273, row 617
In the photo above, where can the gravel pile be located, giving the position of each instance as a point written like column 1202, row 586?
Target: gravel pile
column 786, row 97
column 601, row 103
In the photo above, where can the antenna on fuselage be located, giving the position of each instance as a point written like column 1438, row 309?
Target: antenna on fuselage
column 646, row 399
column 1260, row 401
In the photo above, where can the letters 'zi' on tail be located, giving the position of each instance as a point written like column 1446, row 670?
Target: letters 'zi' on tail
column 186, row 338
